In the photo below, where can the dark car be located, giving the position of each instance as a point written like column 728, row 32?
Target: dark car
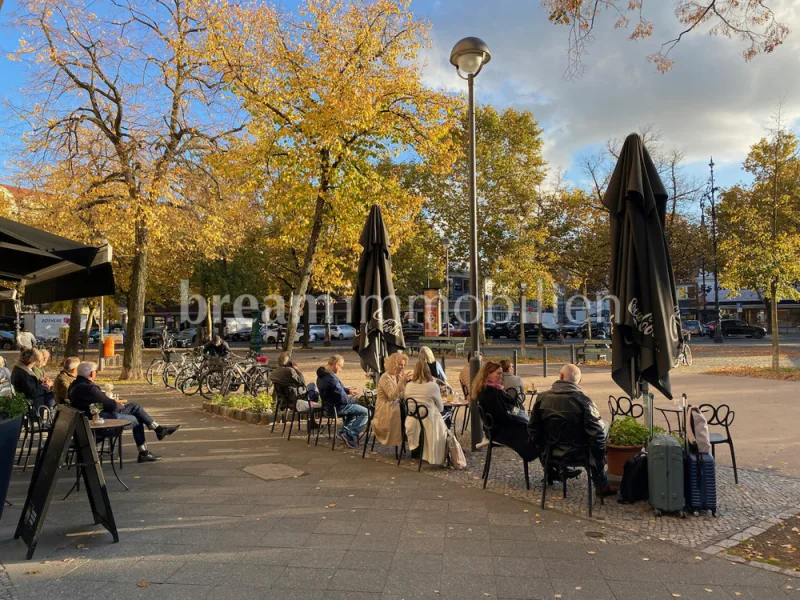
column 694, row 327
column 151, row 338
column 7, row 340
column 532, row 332
column 580, row 329
column 738, row 327
column 503, row 329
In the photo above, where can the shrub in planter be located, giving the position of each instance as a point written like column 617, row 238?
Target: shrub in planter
column 11, row 410
column 626, row 437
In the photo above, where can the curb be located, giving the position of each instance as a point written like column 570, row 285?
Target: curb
column 246, row 416
column 720, row 548
column 7, row 589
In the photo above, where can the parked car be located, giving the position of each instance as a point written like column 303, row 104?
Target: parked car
column 413, row 330
column 151, row 338
column 694, row 327
column 318, row 331
column 272, row 332
column 7, row 340
column 708, row 328
column 460, row 330
column 503, row 329
column 738, row 327
column 343, row 332
column 186, row 338
column 580, row 329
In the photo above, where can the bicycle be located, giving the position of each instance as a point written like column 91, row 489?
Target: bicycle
column 684, row 357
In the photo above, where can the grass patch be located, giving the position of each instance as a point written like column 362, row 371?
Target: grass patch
column 785, row 374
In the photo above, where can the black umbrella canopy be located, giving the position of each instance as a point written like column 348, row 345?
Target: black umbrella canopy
column 375, row 311
column 53, row 268
column 647, row 330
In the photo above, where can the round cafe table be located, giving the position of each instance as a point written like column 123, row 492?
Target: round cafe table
column 110, row 430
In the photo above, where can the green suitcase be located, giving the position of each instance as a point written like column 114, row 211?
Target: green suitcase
column 665, row 474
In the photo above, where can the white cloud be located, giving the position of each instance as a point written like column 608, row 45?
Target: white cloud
column 712, row 102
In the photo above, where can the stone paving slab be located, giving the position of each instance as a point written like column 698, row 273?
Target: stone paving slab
column 350, row 528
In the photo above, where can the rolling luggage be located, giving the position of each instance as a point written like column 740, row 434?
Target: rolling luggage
column 701, row 482
column 665, row 474
column 701, row 470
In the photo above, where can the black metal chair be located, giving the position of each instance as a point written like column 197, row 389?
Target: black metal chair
column 417, row 411
column 467, row 409
column 35, row 423
column 488, row 425
column 301, row 393
column 517, row 397
column 567, row 435
column 721, row 416
column 624, row 407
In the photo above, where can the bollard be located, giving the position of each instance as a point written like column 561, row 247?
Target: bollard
column 572, row 359
column 544, row 361
column 444, row 363
column 515, row 361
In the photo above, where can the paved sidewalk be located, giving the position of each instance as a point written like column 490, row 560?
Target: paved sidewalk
column 195, row 525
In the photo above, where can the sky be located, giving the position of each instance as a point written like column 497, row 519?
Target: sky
column 711, row 103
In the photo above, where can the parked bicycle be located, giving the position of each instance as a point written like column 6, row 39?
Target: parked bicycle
column 684, row 355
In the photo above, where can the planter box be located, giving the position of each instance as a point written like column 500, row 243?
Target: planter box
column 617, row 456
column 208, row 407
column 238, row 414
column 9, row 434
column 266, row 418
column 217, row 409
column 252, row 417
column 225, row 411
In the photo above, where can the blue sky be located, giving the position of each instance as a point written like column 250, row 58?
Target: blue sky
column 712, row 102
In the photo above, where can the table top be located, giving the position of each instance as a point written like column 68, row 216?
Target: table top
column 109, row 424
column 455, row 404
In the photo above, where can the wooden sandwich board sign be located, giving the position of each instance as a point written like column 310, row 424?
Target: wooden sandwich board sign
column 68, row 424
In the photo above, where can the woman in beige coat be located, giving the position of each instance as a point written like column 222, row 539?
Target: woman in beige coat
column 424, row 390
column 387, row 424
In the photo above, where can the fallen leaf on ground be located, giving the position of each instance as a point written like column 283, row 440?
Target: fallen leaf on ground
column 577, row 587
column 709, row 590
column 143, row 584
column 645, row 559
column 32, row 572
column 698, row 558
column 591, row 552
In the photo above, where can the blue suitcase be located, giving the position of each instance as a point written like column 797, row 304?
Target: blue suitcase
column 701, row 482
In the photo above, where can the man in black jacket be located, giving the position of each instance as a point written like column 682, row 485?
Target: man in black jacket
column 84, row 392
column 290, row 385
column 567, row 402
column 217, row 347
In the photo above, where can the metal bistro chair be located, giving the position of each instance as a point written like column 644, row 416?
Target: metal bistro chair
column 35, row 423
column 519, row 398
column 561, row 433
column 398, row 450
column 467, row 409
column 624, row 407
column 419, row 412
column 721, row 416
column 301, row 393
column 488, row 425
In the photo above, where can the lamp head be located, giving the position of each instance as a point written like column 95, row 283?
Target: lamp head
column 469, row 55
column 446, row 243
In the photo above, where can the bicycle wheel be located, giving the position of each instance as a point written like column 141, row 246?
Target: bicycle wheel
column 688, row 356
column 259, row 382
column 154, row 371
column 188, row 380
column 210, row 384
column 169, row 374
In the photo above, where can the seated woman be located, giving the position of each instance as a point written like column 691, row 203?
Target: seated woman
column 387, row 423
column 509, row 425
column 26, row 382
column 425, row 391
column 438, row 374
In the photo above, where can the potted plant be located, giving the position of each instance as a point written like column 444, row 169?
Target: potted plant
column 626, row 437
column 96, row 409
column 12, row 409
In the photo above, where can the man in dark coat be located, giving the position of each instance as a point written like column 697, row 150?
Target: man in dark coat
column 334, row 394
column 217, row 347
column 566, row 401
column 84, row 392
column 290, row 385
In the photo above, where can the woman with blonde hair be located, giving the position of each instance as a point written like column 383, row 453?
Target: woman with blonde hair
column 424, row 391
column 387, row 423
column 27, row 383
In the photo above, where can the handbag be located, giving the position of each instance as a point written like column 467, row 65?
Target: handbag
column 698, row 437
column 457, row 459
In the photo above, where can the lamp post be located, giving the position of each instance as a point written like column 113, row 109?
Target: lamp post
column 468, row 57
column 718, row 326
column 446, row 244
column 702, row 316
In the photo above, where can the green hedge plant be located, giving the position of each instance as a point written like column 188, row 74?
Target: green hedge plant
column 629, row 432
column 13, row 406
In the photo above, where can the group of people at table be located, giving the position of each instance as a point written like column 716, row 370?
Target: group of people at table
column 496, row 389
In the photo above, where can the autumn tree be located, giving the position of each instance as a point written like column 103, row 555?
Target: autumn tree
column 760, row 227
column 751, row 21
column 127, row 110
column 332, row 90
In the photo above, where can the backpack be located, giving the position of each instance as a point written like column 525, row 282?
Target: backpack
column 634, row 486
column 697, row 434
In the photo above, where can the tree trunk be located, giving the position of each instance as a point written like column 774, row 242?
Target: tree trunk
column 74, row 328
column 89, row 320
column 588, row 313
column 768, row 304
column 209, row 333
column 305, row 273
column 306, row 325
column 522, row 324
column 776, row 351
column 132, row 360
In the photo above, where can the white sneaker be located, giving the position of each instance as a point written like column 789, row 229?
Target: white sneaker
column 482, row 445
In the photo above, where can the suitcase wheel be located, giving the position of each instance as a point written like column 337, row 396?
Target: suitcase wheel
column 683, row 514
column 714, row 513
column 657, row 512
column 696, row 513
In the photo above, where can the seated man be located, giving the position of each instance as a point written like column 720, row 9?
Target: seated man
column 65, row 379
column 84, row 392
column 217, row 347
column 289, row 378
column 567, row 401
column 510, row 380
column 335, row 395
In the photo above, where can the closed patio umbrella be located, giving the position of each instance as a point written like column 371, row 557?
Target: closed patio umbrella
column 647, row 330
column 375, row 311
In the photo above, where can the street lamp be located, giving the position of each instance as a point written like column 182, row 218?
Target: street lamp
column 446, row 244
column 468, row 57
column 718, row 327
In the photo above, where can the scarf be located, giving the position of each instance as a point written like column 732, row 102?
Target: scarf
column 566, row 387
column 497, row 386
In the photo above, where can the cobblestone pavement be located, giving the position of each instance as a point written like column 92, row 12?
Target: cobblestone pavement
column 196, row 526
column 7, row 591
